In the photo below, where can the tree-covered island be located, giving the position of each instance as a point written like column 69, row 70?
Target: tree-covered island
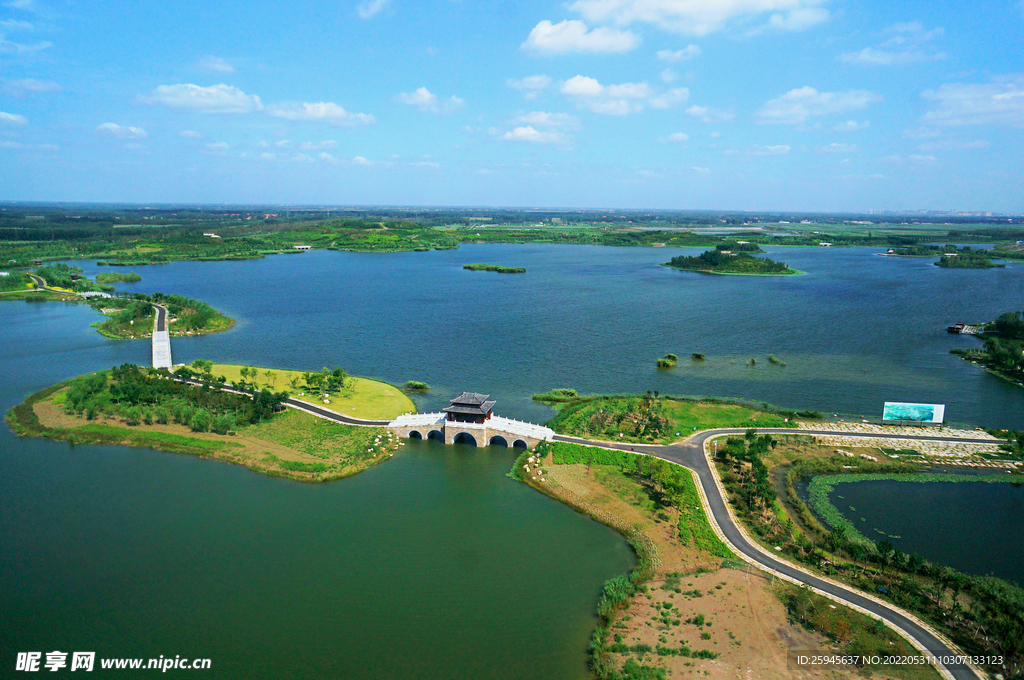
column 245, row 424
column 479, row 267
column 950, row 256
column 729, row 258
column 1003, row 351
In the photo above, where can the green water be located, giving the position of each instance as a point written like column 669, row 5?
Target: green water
column 431, row 565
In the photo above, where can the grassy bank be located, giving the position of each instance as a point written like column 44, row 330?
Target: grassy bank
column 982, row 615
column 350, row 396
column 648, row 418
column 197, row 421
column 684, row 607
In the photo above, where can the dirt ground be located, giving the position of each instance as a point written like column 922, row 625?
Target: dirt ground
column 744, row 622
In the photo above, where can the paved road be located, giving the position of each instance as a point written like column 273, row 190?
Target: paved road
column 161, row 317
column 41, row 284
column 331, row 415
column 690, row 454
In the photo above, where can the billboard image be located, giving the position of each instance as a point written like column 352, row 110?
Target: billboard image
column 921, row 413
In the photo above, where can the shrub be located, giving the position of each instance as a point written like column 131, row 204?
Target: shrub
column 200, row 421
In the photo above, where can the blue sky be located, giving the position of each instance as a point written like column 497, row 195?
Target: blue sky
column 824, row 105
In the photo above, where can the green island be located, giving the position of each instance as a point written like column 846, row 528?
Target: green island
column 668, row 361
column 724, row 260
column 654, row 418
column 117, row 277
column 132, row 317
column 145, row 407
column 982, row 614
column 1003, row 351
column 494, row 268
column 950, row 256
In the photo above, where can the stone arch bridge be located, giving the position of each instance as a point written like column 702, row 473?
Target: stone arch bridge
column 495, row 431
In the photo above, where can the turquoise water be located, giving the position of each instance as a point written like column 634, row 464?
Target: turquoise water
column 433, row 565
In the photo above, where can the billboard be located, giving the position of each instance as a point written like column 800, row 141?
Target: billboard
column 919, row 413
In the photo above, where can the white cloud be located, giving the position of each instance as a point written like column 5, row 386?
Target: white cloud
column 836, row 147
column 618, row 100
column 942, row 144
column 688, row 52
column 323, row 112
column 921, row 158
column 218, row 146
column 425, row 100
column 582, row 86
column 573, row 36
column 214, row 99
column 316, row 146
column 215, row 64
column 676, row 137
column 799, row 104
column 530, row 86
column 798, row 19
column 700, row 170
column 906, row 45
column 545, row 119
column 328, row 158
column 12, row 119
column 700, row 17
column 20, row 88
column 359, row 160
column 528, row 133
column 773, row 150
column 122, row 131
column 7, row 25
column 425, row 164
column 371, row 8
column 708, row 114
column 851, row 126
column 671, row 98
column 190, row 134
column 999, row 102
column 669, row 75
column 20, row 4
column 10, row 47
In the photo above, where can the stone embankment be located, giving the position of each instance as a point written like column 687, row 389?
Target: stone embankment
column 901, row 438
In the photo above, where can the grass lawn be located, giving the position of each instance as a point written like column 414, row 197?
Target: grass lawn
column 361, row 398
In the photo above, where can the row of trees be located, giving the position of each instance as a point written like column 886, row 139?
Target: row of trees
column 147, row 395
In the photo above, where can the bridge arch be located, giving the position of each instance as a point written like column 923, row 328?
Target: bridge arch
column 498, row 440
column 464, row 438
column 436, row 435
column 520, row 444
column 414, row 434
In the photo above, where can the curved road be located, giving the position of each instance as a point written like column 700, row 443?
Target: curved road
column 691, row 454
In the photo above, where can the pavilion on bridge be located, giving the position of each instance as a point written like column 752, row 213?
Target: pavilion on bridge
column 469, row 407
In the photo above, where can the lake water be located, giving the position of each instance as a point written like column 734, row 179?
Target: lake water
column 857, row 330
column 432, row 565
column 974, row 527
